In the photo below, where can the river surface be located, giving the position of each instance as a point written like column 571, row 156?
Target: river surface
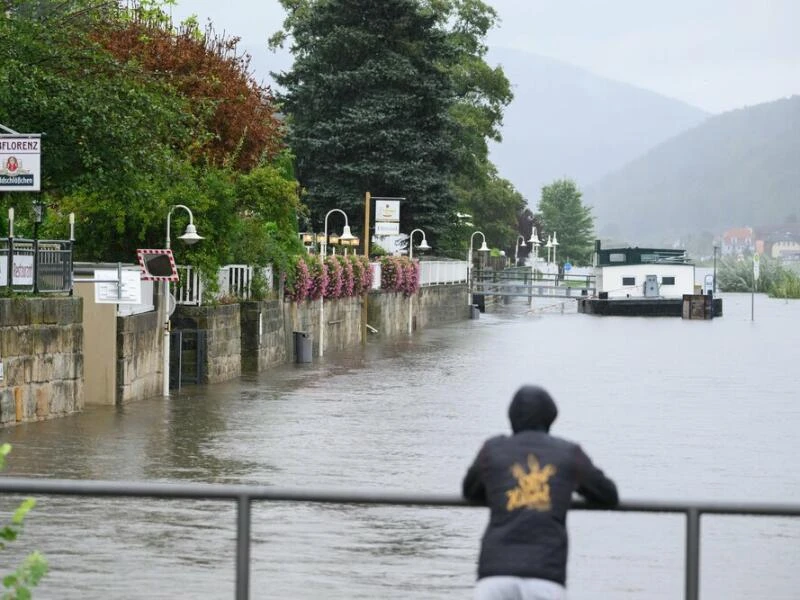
column 670, row 409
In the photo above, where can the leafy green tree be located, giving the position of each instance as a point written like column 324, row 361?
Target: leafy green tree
column 139, row 116
column 564, row 214
column 369, row 106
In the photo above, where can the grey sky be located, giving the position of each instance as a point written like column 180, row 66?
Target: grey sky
column 715, row 54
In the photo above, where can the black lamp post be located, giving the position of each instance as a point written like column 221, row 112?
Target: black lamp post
column 38, row 217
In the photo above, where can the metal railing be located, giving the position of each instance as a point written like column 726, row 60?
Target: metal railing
column 233, row 280
column 244, row 495
column 36, row 265
column 525, row 282
column 442, row 272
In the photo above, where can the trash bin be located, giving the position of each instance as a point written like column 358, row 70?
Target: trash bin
column 302, row 347
column 474, row 312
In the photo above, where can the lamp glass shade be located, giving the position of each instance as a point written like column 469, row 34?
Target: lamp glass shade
column 346, row 234
column 190, row 235
column 484, row 247
column 423, row 245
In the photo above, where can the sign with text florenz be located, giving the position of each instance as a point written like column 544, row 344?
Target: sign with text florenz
column 20, row 163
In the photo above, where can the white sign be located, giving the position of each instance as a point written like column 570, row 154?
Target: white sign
column 22, row 270
column 756, row 266
column 105, row 288
column 382, row 228
column 387, row 210
column 20, row 163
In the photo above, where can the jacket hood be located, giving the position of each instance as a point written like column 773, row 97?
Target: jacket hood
column 532, row 408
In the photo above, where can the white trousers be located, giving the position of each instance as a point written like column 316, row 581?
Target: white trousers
column 518, row 588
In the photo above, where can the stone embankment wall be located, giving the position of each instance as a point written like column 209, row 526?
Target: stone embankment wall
column 41, row 348
column 42, row 343
column 139, row 356
column 433, row 305
column 223, row 338
column 263, row 335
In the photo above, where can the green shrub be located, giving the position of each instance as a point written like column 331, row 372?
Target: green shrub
column 19, row 583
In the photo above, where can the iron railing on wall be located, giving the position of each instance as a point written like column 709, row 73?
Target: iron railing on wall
column 245, row 495
column 36, row 265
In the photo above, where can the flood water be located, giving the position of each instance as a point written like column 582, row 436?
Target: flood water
column 670, row 409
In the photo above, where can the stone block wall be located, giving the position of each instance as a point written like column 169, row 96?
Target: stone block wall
column 139, row 356
column 432, row 305
column 41, row 347
column 341, row 319
column 263, row 335
column 441, row 304
column 223, row 337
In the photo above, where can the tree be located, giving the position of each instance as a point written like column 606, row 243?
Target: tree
column 464, row 95
column 564, row 214
column 138, row 116
column 369, row 105
column 237, row 115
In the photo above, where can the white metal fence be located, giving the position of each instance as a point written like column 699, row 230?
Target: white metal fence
column 431, row 272
column 234, row 281
column 439, row 272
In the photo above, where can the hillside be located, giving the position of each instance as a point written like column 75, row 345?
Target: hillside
column 565, row 121
column 738, row 168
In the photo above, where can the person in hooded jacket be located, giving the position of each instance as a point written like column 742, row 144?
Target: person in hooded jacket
column 527, row 481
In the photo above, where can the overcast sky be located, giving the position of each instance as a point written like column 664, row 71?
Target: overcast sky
column 715, row 54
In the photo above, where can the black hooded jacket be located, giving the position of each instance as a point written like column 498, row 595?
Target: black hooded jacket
column 527, row 481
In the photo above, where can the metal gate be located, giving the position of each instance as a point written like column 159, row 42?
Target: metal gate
column 188, row 350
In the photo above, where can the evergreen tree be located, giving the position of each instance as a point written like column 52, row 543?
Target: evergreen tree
column 564, row 214
column 369, row 105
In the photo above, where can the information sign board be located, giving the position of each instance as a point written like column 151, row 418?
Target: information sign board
column 106, row 290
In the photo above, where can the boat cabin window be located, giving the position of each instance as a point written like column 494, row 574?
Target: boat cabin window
column 667, row 281
column 616, row 257
column 629, row 281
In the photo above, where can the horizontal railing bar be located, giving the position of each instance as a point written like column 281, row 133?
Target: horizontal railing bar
column 208, row 491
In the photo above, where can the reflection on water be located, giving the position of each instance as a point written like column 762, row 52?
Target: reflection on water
column 671, row 409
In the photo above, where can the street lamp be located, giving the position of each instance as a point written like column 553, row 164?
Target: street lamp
column 555, row 249
column 346, row 236
column 516, row 249
column 423, row 245
column 483, row 248
column 189, row 237
column 534, row 240
column 549, row 245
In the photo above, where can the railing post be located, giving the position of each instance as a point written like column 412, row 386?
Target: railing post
column 243, row 548
column 692, row 554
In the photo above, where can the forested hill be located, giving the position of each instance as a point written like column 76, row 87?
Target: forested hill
column 738, row 168
column 565, row 121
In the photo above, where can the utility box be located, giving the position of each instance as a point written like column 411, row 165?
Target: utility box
column 302, row 347
column 651, row 286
